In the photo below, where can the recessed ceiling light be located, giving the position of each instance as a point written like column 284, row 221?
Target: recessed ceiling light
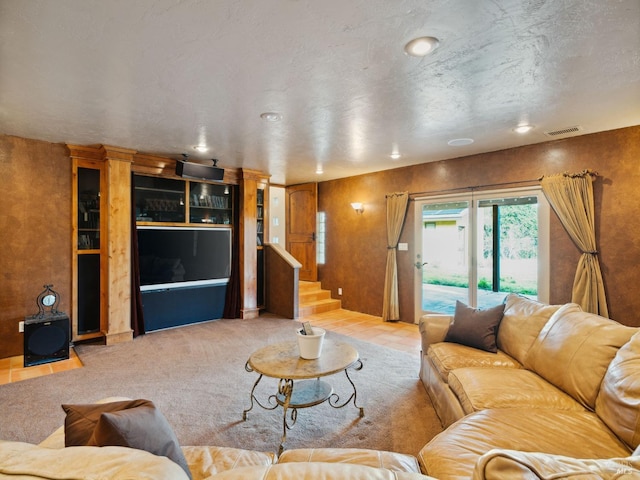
column 460, row 142
column 271, row 116
column 523, row 128
column 395, row 156
column 319, row 169
column 201, row 148
column 421, row 46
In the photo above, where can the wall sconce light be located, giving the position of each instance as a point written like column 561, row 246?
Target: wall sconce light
column 358, row 207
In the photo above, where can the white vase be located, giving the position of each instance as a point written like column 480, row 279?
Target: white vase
column 310, row 346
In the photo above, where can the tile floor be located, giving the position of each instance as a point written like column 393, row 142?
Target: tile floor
column 399, row 335
column 12, row 369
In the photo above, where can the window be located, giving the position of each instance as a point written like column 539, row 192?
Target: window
column 321, row 226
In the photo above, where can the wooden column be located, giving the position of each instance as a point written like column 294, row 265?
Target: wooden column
column 249, row 181
column 115, row 242
column 118, row 262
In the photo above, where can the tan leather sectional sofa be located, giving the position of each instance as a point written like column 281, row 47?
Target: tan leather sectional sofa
column 560, row 398
column 51, row 460
column 27, row 461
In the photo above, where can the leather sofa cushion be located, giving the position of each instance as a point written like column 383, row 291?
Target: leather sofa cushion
column 446, row 357
column 205, row 461
column 571, row 340
column 482, row 388
column 618, row 403
column 26, row 461
column 454, row 453
column 316, row 470
column 444, row 401
column 521, row 323
column 397, row 462
column 514, row 465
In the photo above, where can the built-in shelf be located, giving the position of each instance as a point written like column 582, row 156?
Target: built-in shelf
column 210, row 204
column 87, row 314
column 173, row 201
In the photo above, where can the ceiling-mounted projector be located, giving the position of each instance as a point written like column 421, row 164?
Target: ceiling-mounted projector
column 199, row 171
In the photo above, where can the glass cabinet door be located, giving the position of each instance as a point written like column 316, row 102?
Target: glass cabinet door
column 210, row 203
column 88, row 209
column 260, row 216
column 87, row 315
column 159, row 199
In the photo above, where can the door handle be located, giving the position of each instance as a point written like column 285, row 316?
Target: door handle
column 419, row 265
column 313, row 236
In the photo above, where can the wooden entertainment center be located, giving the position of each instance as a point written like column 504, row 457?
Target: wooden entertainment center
column 109, row 183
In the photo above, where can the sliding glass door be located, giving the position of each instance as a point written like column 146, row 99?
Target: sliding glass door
column 477, row 248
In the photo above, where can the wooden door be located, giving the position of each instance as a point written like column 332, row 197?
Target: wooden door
column 301, row 208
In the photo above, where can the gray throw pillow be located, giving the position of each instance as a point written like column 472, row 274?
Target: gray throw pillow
column 476, row 328
column 143, row 428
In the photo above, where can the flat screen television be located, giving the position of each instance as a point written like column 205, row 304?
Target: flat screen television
column 174, row 257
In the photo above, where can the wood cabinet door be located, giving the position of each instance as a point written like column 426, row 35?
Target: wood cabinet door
column 301, row 208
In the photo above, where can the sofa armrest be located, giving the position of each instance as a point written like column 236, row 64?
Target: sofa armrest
column 433, row 329
column 510, row 464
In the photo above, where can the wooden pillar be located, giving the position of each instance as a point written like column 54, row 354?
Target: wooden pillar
column 118, row 262
column 115, row 242
column 249, row 183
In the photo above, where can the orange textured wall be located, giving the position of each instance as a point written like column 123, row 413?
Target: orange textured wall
column 35, row 231
column 356, row 244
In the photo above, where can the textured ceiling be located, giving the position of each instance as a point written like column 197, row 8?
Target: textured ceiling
column 161, row 76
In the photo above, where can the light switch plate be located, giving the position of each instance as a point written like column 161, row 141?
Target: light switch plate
column 403, row 247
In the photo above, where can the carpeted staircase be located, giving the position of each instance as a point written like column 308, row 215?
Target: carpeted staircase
column 312, row 299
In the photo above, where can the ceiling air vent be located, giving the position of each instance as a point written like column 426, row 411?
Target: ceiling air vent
column 564, row 131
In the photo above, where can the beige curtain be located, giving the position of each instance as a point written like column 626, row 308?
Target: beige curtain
column 571, row 197
column 396, row 212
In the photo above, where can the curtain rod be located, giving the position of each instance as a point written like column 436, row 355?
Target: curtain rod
column 520, row 182
column 474, row 187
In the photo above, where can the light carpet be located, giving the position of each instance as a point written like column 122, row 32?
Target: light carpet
column 196, row 375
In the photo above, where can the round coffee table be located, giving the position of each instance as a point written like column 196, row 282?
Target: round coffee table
column 300, row 384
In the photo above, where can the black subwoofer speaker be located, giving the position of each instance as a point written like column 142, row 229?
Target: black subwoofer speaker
column 46, row 339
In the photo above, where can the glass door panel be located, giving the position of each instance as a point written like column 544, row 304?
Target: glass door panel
column 444, row 258
column 507, row 248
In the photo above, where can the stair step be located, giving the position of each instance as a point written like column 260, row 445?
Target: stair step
column 304, row 286
column 313, row 295
column 318, row 306
column 313, row 299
